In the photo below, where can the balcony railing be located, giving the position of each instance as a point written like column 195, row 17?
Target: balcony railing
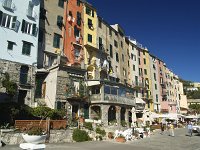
column 138, row 85
column 109, row 98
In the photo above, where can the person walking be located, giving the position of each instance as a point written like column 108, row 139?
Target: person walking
column 171, row 129
column 162, row 128
column 189, row 127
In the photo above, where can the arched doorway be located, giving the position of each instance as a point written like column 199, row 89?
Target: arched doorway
column 112, row 114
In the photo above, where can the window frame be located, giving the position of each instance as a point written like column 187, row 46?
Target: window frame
column 24, row 50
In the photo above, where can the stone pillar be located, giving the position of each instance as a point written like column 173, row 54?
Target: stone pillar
column 118, row 115
column 104, row 114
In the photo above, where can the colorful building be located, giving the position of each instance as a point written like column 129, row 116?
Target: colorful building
column 73, row 34
column 19, row 25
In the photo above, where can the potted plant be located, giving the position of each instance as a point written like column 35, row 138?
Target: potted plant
column 35, row 135
column 110, row 135
column 120, row 138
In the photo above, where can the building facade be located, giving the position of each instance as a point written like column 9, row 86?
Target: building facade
column 19, row 55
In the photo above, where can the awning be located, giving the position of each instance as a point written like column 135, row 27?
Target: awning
column 191, row 117
column 154, row 115
column 92, row 83
column 139, row 101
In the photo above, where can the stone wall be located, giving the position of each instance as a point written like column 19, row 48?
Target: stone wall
column 56, row 136
column 13, row 69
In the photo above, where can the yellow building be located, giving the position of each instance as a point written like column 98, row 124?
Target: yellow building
column 148, row 81
column 90, row 39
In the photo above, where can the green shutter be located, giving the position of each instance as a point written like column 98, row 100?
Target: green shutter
column 23, row 25
column 14, row 22
column 1, row 14
column 34, row 29
column 56, row 41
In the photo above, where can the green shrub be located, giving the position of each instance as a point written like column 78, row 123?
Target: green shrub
column 88, row 125
column 80, row 135
column 35, row 131
column 101, row 132
column 123, row 123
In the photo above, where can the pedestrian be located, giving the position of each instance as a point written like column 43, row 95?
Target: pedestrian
column 171, row 129
column 189, row 127
column 162, row 127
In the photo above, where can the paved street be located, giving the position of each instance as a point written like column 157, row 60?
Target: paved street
column 156, row 142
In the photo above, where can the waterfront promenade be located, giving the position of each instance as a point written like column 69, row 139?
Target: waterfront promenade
column 155, row 142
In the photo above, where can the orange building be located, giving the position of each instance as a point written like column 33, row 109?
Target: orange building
column 73, row 48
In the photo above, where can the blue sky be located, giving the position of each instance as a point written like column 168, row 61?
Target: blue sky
column 170, row 29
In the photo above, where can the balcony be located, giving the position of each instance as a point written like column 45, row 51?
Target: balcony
column 172, row 103
column 8, row 5
column 138, row 85
column 163, row 85
column 109, row 98
column 31, row 14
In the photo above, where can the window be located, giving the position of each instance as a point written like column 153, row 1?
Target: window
column 111, row 51
column 26, row 49
column 155, row 86
column 139, row 61
column 76, row 54
column 136, row 80
column 29, row 28
column 124, row 72
column 59, row 21
column 140, row 72
column 90, row 12
column 138, row 52
column 143, row 52
column 78, row 18
column 10, row 45
column 100, row 43
column 56, row 40
column 156, row 97
column 90, row 25
column 78, row 3
column 145, row 71
column 128, row 64
column 144, row 61
column 117, row 57
column 30, row 9
column 100, row 23
column 115, row 43
column 9, row 21
column 61, row 3
column 133, row 67
column 132, row 47
column 123, row 57
column 90, row 38
column 121, row 44
column 76, row 32
column 110, row 32
column 154, row 76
